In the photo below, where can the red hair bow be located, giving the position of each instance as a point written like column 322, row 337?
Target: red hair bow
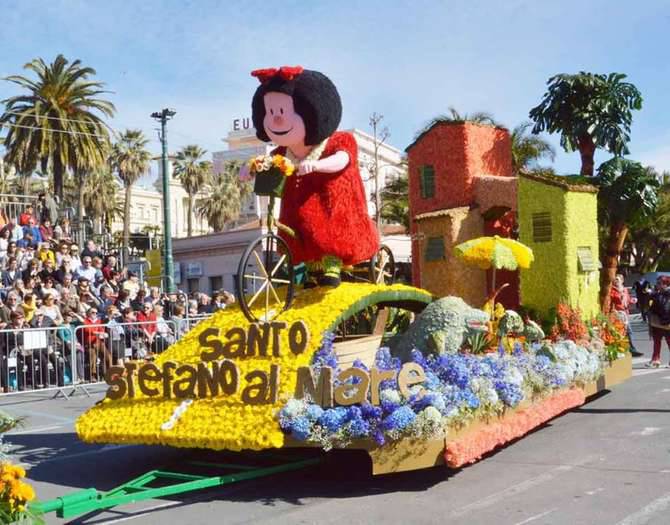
column 286, row 72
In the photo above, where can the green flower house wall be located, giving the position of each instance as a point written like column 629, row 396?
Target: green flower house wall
column 558, row 219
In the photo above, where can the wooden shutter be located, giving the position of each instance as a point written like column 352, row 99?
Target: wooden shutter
column 435, row 249
column 427, row 178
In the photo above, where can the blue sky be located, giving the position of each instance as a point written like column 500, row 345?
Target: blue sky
column 406, row 60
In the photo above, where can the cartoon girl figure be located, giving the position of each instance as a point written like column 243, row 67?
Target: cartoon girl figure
column 324, row 203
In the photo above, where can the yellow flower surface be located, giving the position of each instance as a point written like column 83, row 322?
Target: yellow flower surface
column 224, row 421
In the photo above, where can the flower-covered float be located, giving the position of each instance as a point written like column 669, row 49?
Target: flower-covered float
column 455, row 384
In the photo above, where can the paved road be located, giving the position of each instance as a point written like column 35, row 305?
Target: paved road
column 605, row 463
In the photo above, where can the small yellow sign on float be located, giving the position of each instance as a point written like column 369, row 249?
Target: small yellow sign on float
column 218, row 374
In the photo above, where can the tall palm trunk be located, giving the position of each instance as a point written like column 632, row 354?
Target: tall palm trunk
column 59, row 171
column 189, row 222
column 615, row 241
column 587, row 151
column 126, row 224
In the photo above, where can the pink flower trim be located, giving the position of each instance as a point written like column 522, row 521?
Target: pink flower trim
column 470, row 447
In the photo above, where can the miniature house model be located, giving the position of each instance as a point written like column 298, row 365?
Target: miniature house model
column 558, row 219
column 460, row 186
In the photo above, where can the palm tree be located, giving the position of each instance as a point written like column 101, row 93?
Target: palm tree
column 528, row 149
column 57, row 124
column 101, row 197
column 395, row 200
column 628, row 193
column 193, row 173
column 225, row 197
column 589, row 111
column 130, row 160
column 455, row 117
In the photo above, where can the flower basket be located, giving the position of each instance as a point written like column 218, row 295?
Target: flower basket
column 268, row 183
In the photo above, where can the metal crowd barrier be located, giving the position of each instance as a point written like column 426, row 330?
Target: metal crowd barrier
column 37, row 359
column 67, row 359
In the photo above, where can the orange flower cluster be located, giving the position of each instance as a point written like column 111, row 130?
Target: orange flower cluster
column 569, row 324
column 267, row 163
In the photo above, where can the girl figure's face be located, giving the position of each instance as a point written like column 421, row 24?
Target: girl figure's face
column 281, row 123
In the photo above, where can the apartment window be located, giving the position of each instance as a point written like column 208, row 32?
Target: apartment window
column 193, row 285
column 435, row 249
column 541, row 227
column 427, row 181
column 215, row 283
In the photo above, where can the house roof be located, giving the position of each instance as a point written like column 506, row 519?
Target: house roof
column 446, row 212
column 567, row 182
column 437, row 122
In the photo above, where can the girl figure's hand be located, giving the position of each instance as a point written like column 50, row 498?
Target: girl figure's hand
column 307, row 166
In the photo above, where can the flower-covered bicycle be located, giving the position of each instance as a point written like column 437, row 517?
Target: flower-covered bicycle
column 266, row 277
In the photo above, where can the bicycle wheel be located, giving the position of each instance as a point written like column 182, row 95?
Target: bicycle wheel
column 265, row 279
column 382, row 266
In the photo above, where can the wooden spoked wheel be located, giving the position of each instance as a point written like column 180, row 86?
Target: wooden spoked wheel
column 382, row 266
column 265, row 279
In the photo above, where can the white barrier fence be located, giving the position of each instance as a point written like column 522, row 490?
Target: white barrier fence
column 66, row 359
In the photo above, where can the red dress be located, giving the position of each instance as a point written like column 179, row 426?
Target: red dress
column 329, row 211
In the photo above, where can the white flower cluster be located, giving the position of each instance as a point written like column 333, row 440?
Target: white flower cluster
column 576, row 363
column 428, row 424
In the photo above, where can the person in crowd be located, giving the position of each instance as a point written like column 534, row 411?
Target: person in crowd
column 27, row 215
column 47, row 354
column 164, row 335
column 107, row 298
column 48, row 288
column 47, row 208
column 12, row 302
column 87, row 271
column 11, row 273
column 113, row 281
column 179, row 322
column 621, row 301
column 86, row 295
column 192, row 308
column 11, row 249
column 134, row 335
column 643, row 290
column 116, row 334
column 659, row 319
column 26, row 240
column 63, row 253
column 155, row 295
column 48, row 271
column 46, row 232
column 32, row 270
column 63, row 271
column 91, row 250
column 5, row 315
column 19, row 287
column 69, row 300
column 123, row 300
column 93, row 339
column 138, row 303
column 51, row 309
column 204, row 304
column 109, row 267
column 12, row 345
column 75, row 259
column 44, row 253
column 28, row 307
column 35, row 231
column 5, row 234
column 72, row 349
column 62, row 230
column 66, row 284
column 24, row 256
column 132, row 285
column 147, row 318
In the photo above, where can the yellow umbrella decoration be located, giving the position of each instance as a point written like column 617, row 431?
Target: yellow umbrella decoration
column 495, row 252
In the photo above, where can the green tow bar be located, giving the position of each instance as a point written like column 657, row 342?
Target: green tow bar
column 138, row 489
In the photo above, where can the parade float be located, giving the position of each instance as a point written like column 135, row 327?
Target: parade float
column 438, row 373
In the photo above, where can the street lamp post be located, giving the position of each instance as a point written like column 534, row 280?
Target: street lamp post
column 164, row 115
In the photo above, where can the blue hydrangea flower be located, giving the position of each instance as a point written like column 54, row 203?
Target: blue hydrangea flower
column 300, row 428
column 314, row 412
column 401, row 418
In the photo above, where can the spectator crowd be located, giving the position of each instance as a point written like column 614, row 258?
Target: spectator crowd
column 48, row 282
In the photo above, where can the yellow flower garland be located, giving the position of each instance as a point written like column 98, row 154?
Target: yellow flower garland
column 224, row 422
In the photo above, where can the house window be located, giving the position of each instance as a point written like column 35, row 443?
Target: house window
column 435, row 249
column 427, row 181
column 542, row 227
column 585, row 259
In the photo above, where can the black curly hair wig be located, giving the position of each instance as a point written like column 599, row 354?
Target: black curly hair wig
column 315, row 99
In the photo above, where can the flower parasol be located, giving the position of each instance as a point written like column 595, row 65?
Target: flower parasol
column 495, row 252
